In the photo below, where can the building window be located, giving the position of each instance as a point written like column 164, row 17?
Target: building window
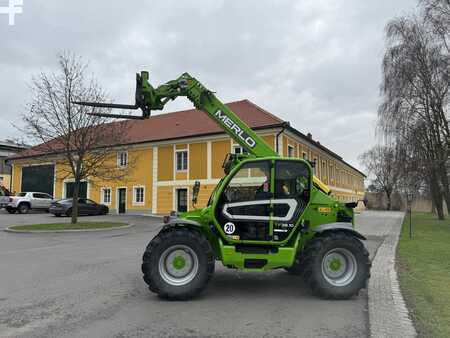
column 237, row 149
column 138, row 195
column 290, row 151
column 182, row 160
column 122, row 159
column 305, row 156
column 106, row 196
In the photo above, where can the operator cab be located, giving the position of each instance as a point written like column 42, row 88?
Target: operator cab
column 263, row 199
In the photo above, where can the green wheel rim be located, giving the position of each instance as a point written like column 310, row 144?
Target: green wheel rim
column 339, row 267
column 178, row 265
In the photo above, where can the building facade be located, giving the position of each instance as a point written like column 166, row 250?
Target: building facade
column 7, row 149
column 172, row 151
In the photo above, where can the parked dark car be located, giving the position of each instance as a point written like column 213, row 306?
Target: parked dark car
column 85, row 207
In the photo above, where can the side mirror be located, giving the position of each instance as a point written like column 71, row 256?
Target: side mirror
column 365, row 201
column 195, row 191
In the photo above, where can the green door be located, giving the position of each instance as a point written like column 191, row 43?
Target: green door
column 39, row 178
column 71, row 185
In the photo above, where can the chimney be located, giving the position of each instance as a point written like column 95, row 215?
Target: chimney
column 309, row 135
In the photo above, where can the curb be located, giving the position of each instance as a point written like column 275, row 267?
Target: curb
column 388, row 315
column 8, row 229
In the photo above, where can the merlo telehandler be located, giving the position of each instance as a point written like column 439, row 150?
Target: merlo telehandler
column 267, row 212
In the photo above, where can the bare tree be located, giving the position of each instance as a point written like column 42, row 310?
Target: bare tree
column 416, row 80
column 381, row 164
column 81, row 143
column 437, row 14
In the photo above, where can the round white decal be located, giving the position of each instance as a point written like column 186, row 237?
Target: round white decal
column 229, row 228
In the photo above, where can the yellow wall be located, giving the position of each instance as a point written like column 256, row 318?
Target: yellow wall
column 219, row 150
column 165, row 200
column 165, row 163
column 270, row 140
column 17, row 178
column 198, row 161
column 6, row 181
column 141, row 174
column 166, row 197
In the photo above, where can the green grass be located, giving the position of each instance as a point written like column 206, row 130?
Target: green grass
column 424, row 272
column 68, row 226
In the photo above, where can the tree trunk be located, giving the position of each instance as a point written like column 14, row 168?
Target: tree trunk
column 445, row 186
column 437, row 197
column 389, row 202
column 76, row 192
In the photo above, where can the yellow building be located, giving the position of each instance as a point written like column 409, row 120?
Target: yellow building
column 173, row 150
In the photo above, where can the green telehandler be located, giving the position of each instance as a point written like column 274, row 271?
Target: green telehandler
column 267, row 212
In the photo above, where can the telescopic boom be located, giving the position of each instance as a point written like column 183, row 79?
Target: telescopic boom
column 149, row 98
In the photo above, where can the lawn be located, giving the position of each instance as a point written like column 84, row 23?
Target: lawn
column 424, row 272
column 68, row 226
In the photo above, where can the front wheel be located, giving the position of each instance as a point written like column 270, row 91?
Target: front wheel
column 11, row 210
column 336, row 265
column 178, row 264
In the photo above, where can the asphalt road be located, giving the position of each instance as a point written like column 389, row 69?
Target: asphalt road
column 90, row 285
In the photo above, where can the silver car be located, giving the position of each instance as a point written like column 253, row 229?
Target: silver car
column 25, row 201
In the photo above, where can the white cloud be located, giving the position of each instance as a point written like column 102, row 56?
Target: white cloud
column 314, row 63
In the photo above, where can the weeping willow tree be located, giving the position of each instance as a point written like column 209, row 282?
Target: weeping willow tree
column 415, row 97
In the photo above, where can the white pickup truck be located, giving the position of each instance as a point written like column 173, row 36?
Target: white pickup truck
column 25, row 201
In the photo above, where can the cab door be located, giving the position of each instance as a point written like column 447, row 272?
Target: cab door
column 291, row 195
column 244, row 209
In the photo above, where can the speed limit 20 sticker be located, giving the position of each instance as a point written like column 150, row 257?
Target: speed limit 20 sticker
column 229, row 228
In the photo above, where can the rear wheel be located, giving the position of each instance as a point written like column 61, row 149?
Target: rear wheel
column 69, row 212
column 336, row 265
column 178, row 264
column 23, row 208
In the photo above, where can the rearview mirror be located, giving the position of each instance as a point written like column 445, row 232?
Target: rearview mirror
column 365, row 201
column 195, row 191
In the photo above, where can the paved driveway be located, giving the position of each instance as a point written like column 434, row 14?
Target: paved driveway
column 90, row 284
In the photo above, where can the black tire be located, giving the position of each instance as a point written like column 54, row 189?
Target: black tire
column 315, row 257
column 57, row 215
column 69, row 212
column 11, row 210
column 163, row 243
column 23, row 208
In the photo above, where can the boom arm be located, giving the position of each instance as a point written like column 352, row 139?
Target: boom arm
column 149, row 98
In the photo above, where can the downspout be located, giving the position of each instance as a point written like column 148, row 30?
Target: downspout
column 283, row 127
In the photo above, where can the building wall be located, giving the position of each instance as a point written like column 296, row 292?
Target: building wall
column 153, row 167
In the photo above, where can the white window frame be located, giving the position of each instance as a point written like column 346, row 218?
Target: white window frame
column 176, row 160
column 119, row 159
column 292, row 149
column 175, row 196
column 135, row 202
column 117, row 198
column 238, row 146
column 102, row 195
column 71, row 180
